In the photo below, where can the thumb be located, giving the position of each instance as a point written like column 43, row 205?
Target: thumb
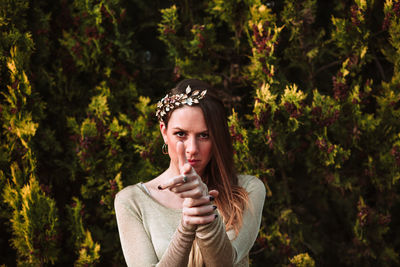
column 214, row 193
column 180, row 149
column 186, row 169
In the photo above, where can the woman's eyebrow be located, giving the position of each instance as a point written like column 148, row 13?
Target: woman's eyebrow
column 178, row 128
column 183, row 130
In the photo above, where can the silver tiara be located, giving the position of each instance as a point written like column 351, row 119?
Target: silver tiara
column 170, row 102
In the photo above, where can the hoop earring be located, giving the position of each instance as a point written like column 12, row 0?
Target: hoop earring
column 164, row 149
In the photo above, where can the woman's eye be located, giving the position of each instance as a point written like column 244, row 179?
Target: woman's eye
column 180, row 134
column 204, row 135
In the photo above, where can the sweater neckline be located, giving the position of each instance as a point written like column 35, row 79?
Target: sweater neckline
column 146, row 193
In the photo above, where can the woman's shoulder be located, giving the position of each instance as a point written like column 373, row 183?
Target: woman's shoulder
column 246, row 179
column 130, row 194
column 251, row 183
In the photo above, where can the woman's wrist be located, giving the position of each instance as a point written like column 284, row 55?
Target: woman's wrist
column 188, row 228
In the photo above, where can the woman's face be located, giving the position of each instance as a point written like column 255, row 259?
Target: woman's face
column 187, row 124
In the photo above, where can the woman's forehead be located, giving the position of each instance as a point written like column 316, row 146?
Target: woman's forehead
column 188, row 117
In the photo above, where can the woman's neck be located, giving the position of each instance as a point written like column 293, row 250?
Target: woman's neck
column 164, row 197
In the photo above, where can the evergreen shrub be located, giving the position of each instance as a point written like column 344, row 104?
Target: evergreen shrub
column 313, row 91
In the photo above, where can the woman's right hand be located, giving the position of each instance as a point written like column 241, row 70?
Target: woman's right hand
column 188, row 184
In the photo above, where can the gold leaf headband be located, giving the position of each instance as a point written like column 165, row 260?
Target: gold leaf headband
column 170, row 102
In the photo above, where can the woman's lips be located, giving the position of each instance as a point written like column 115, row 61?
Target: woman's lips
column 193, row 161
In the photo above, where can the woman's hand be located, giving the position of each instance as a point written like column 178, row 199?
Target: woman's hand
column 188, row 184
column 197, row 207
column 199, row 210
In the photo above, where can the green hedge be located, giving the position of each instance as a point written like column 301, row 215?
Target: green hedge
column 313, row 90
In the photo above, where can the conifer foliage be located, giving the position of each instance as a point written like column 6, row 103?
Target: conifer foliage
column 313, row 92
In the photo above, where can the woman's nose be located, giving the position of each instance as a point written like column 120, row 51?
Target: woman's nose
column 191, row 146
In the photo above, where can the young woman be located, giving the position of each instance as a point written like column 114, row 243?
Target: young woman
column 198, row 212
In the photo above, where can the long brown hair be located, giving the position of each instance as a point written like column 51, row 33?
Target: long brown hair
column 220, row 172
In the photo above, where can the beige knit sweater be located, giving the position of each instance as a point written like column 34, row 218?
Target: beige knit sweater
column 152, row 234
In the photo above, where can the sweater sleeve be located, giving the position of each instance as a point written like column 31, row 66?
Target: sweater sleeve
column 213, row 240
column 178, row 251
column 137, row 246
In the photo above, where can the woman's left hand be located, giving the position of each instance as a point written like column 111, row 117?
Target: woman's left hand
column 200, row 210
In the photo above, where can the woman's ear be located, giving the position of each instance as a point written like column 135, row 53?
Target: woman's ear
column 163, row 129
